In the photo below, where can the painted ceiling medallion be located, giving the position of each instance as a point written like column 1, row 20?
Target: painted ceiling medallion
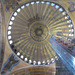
column 11, row 4
column 31, row 27
column 71, row 8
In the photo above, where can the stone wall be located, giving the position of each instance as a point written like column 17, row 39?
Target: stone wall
column 0, row 35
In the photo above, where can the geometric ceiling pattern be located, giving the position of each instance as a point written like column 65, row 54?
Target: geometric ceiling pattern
column 31, row 26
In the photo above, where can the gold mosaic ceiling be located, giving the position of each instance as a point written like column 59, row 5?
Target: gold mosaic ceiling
column 31, row 27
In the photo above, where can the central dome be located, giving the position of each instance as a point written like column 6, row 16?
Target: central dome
column 31, row 27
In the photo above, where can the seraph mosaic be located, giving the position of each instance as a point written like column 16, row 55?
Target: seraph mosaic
column 71, row 8
column 10, row 63
column 11, row 4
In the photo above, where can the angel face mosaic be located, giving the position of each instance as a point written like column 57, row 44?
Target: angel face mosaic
column 31, row 26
